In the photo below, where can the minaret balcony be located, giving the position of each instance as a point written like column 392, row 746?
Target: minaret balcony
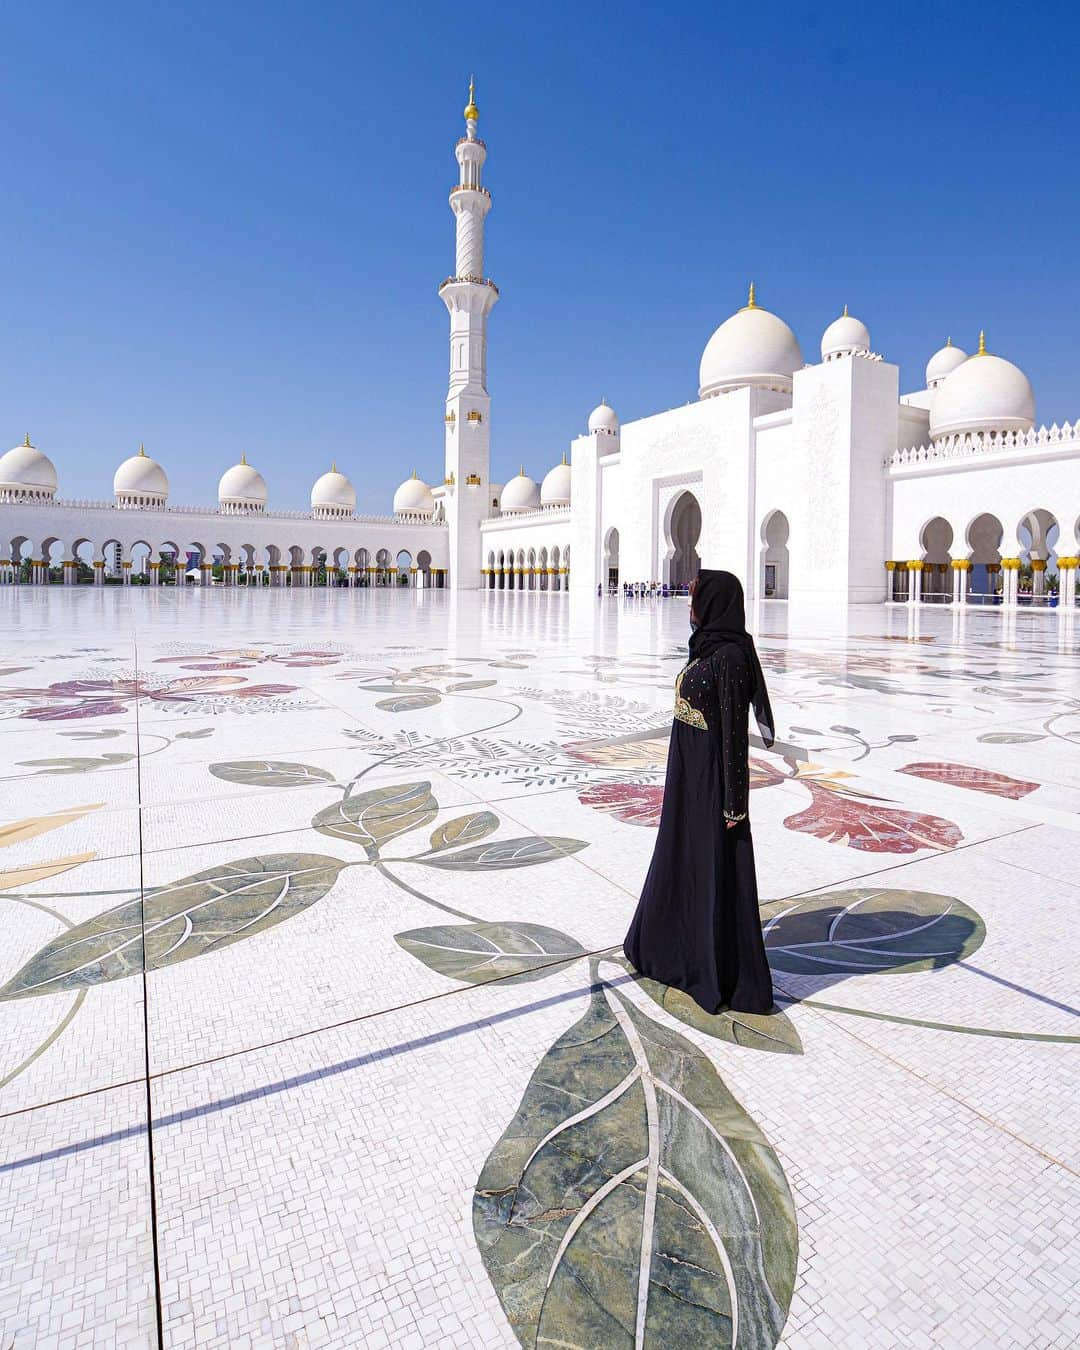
column 471, row 140
column 472, row 280
column 469, row 187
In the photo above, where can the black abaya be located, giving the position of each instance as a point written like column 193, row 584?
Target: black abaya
column 697, row 925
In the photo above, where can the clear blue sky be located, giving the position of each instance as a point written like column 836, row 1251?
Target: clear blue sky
column 224, row 224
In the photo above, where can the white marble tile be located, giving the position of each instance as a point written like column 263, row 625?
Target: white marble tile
column 76, row 1257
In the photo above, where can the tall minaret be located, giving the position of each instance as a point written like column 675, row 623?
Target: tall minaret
column 469, row 296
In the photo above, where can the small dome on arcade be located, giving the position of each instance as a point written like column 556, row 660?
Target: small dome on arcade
column 333, row 495
column 753, row 347
column 520, row 494
column 603, row 419
column 26, row 474
column 844, row 336
column 943, row 362
column 414, row 498
column 140, row 481
column 242, row 489
column 555, row 489
column 985, row 394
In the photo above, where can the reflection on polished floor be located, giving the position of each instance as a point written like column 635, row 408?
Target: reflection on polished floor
column 315, row 1032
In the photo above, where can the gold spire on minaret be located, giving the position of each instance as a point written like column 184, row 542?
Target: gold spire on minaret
column 982, row 342
column 472, row 112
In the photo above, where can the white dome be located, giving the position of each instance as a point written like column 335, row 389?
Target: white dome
column 414, row 497
column 603, row 419
column 333, row 494
column 555, row 489
column 844, row 336
column 26, row 473
column 243, row 488
column 986, row 393
column 753, row 347
column 942, row 363
column 140, row 479
column 520, row 494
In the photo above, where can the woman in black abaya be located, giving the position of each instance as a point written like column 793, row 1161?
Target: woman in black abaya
column 697, row 926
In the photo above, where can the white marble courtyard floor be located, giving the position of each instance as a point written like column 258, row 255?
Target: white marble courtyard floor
column 380, row 1079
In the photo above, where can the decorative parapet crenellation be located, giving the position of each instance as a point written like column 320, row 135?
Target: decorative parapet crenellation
column 949, row 450
column 542, row 513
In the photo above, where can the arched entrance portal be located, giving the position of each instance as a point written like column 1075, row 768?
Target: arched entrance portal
column 775, row 557
column 936, row 541
column 684, row 532
column 611, row 560
column 984, row 539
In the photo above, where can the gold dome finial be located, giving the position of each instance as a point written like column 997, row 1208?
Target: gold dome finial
column 751, row 302
column 982, row 342
column 333, row 466
column 142, row 450
column 472, row 112
column 243, row 456
column 414, row 473
column 564, row 456
column 948, row 341
column 845, row 312
column 26, row 443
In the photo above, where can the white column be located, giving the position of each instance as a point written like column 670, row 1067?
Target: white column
column 1067, row 583
column 1011, row 580
column 915, row 582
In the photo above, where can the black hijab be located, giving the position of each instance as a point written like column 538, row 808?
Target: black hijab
column 720, row 614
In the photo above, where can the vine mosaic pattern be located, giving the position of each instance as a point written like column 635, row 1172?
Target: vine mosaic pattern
column 637, row 1195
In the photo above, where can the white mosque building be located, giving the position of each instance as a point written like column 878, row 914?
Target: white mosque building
column 809, row 479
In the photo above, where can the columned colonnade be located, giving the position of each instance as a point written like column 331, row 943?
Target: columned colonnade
column 527, row 569
column 1033, row 563
column 33, row 556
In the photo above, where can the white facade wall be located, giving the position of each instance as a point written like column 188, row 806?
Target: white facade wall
column 1008, row 486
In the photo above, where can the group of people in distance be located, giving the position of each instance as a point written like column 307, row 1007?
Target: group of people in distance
column 643, row 590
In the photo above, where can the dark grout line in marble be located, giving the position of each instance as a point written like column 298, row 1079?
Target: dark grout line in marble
column 295, row 1036
column 910, row 862
column 834, row 1019
column 446, row 993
